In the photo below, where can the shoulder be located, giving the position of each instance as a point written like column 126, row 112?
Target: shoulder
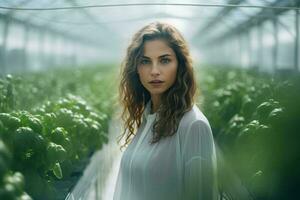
column 192, row 117
column 194, row 127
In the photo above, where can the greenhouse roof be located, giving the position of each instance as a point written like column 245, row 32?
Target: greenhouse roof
column 99, row 20
column 109, row 23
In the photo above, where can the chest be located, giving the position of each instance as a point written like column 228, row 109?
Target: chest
column 159, row 162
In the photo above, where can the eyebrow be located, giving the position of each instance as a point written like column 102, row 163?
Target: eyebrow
column 165, row 55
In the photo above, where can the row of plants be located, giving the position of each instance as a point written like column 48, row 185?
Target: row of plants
column 255, row 121
column 48, row 130
column 31, row 89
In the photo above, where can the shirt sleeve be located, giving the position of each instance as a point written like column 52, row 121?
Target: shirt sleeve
column 200, row 166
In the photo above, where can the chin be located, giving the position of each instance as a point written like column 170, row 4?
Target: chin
column 157, row 92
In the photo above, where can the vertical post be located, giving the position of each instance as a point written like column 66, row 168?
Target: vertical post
column 249, row 34
column 260, row 47
column 240, row 63
column 25, row 47
column 53, row 49
column 72, row 53
column 66, row 49
column 4, row 48
column 243, row 49
column 248, row 43
column 248, row 47
column 56, row 50
column 41, row 48
column 50, row 44
column 2, row 21
column 61, row 49
column 296, row 56
column 275, row 47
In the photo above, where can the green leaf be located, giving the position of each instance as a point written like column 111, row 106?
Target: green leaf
column 57, row 170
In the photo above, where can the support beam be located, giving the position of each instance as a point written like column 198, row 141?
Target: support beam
column 296, row 55
column 260, row 46
column 41, row 47
column 25, row 48
column 53, row 31
column 259, row 18
column 216, row 19
column 3, row 67
column 275, row 47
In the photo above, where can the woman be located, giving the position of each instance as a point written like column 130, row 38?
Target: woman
column 171, row 156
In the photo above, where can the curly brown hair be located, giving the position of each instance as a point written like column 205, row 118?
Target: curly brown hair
column 176, row 101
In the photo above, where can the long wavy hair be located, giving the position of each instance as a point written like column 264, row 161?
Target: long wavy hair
column 176, row 101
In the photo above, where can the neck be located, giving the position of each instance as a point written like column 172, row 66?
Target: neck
column 155, row 102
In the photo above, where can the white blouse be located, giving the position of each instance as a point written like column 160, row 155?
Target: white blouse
column 179, row 167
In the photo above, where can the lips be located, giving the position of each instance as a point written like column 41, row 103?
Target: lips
column 156, row 81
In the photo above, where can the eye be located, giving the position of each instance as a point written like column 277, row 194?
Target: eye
column 165, row 60
column 144, row 62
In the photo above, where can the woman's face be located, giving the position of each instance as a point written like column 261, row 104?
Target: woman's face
column 159, row 63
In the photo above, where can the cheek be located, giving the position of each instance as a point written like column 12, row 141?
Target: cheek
column 141, row 76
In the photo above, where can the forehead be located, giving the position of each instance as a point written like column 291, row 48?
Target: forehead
column 155, row 48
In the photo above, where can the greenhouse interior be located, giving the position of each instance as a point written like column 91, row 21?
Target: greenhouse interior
column 65, row 68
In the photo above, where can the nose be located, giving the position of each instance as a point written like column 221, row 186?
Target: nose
column 154, row 70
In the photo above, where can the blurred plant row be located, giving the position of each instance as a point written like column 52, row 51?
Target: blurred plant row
column 255, row 121
column 49, row 123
